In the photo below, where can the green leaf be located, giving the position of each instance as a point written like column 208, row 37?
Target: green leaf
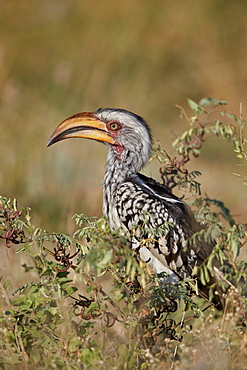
column 64, row 280
column 7, row 284
column 210, row 101
column 93, row 307
column 90, row 289
column 19, row 301
column 69, row 290
column 107, row 257
column 235, row 248
column 197, row 109
column 202, row 276
column 22, row 249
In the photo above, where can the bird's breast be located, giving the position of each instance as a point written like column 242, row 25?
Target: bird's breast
column 114, row 219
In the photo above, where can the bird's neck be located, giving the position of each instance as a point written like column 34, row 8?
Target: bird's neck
column 117, row 171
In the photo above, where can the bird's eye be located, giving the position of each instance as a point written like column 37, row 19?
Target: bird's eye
column 114, row 126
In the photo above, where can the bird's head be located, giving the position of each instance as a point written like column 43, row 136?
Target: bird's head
column 126, row 133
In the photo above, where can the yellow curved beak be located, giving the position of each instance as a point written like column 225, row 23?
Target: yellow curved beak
column 84, row 125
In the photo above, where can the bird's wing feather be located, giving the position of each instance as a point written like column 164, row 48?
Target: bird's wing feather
column 160, row 223
column 161, row 219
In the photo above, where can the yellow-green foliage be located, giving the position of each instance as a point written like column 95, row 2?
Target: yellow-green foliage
column 87, row 301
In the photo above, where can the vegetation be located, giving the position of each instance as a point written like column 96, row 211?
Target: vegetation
column 89, row 302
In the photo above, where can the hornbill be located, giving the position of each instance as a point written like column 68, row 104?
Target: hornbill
column 138, row 203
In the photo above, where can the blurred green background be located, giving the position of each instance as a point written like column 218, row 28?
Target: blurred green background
column 60, row 57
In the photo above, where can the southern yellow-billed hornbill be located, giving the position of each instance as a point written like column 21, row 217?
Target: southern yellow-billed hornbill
column 138, row 203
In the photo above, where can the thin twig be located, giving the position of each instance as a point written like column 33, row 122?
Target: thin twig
column 97, row 287
column 176, row 348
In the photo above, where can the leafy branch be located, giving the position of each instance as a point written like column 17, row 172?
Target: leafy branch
column 91, row 301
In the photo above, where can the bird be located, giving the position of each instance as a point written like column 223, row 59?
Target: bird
column 140, row 205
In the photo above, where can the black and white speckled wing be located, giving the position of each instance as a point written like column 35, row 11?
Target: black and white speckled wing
column 159, row 224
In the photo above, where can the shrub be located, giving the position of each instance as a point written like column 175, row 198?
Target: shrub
column 89, row 301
